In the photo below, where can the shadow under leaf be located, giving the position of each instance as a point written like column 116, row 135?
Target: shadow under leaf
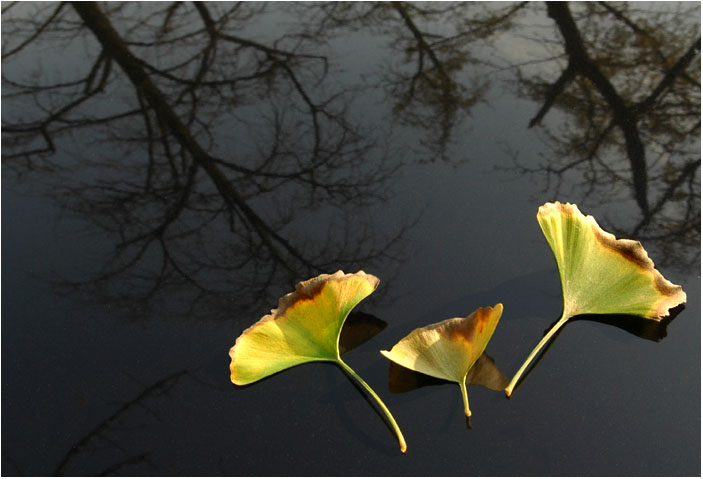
column 644, row 328
column 358, row 329
column 637, row 325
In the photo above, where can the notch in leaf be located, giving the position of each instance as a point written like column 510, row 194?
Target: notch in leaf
column 304, row 328
column 599, row 273
column 448, row 349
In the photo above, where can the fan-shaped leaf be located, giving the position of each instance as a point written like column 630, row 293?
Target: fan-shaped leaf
column 599, row 273
column 448, row 349
column 305, row 327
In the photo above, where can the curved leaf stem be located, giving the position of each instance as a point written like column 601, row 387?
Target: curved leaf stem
column 352, row 373
column 545, row 340
column 465, row 396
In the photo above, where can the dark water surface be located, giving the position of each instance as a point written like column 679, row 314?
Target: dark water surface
column 171, row 170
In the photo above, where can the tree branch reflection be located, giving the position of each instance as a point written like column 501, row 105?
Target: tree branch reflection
column 433, row 80
column 630, row 99
column 206, row 130
column 101, row 432
column 190, row 170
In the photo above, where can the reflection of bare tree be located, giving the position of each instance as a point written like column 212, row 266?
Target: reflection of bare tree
column 100, row 436
column 631, row 94
column 105, row 442
column 430, row 84
column 223, row 135
column 212, row 132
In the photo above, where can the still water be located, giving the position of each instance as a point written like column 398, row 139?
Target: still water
column 170, row 170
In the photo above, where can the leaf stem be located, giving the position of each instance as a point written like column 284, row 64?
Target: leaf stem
column 352, row 373
column 545, row 340
column 465, row 396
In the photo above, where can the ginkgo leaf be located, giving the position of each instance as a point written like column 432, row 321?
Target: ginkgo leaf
column 599, row 273
column 448, row 349
column 305, row 327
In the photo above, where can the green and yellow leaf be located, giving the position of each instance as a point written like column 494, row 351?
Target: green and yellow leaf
column 448, row 349
column 599, row 273
column 305, row 327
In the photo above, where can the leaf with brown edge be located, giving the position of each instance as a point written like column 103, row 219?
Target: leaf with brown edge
column 305, row 327
column 599, row 273
column 448, row 349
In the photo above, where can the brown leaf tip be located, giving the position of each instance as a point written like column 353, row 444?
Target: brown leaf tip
column 466, row 328
column 556, row 207
column 309, row 289
column 634, row 252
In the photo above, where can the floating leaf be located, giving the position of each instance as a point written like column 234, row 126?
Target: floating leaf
column 305, row 327
column 448, row 349
column 599, row 273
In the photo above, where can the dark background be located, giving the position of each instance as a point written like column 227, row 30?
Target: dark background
column 171, row 169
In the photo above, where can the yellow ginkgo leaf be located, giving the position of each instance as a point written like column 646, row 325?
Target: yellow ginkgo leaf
column 305, row 327
column 599, row 273
column 448, row 349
